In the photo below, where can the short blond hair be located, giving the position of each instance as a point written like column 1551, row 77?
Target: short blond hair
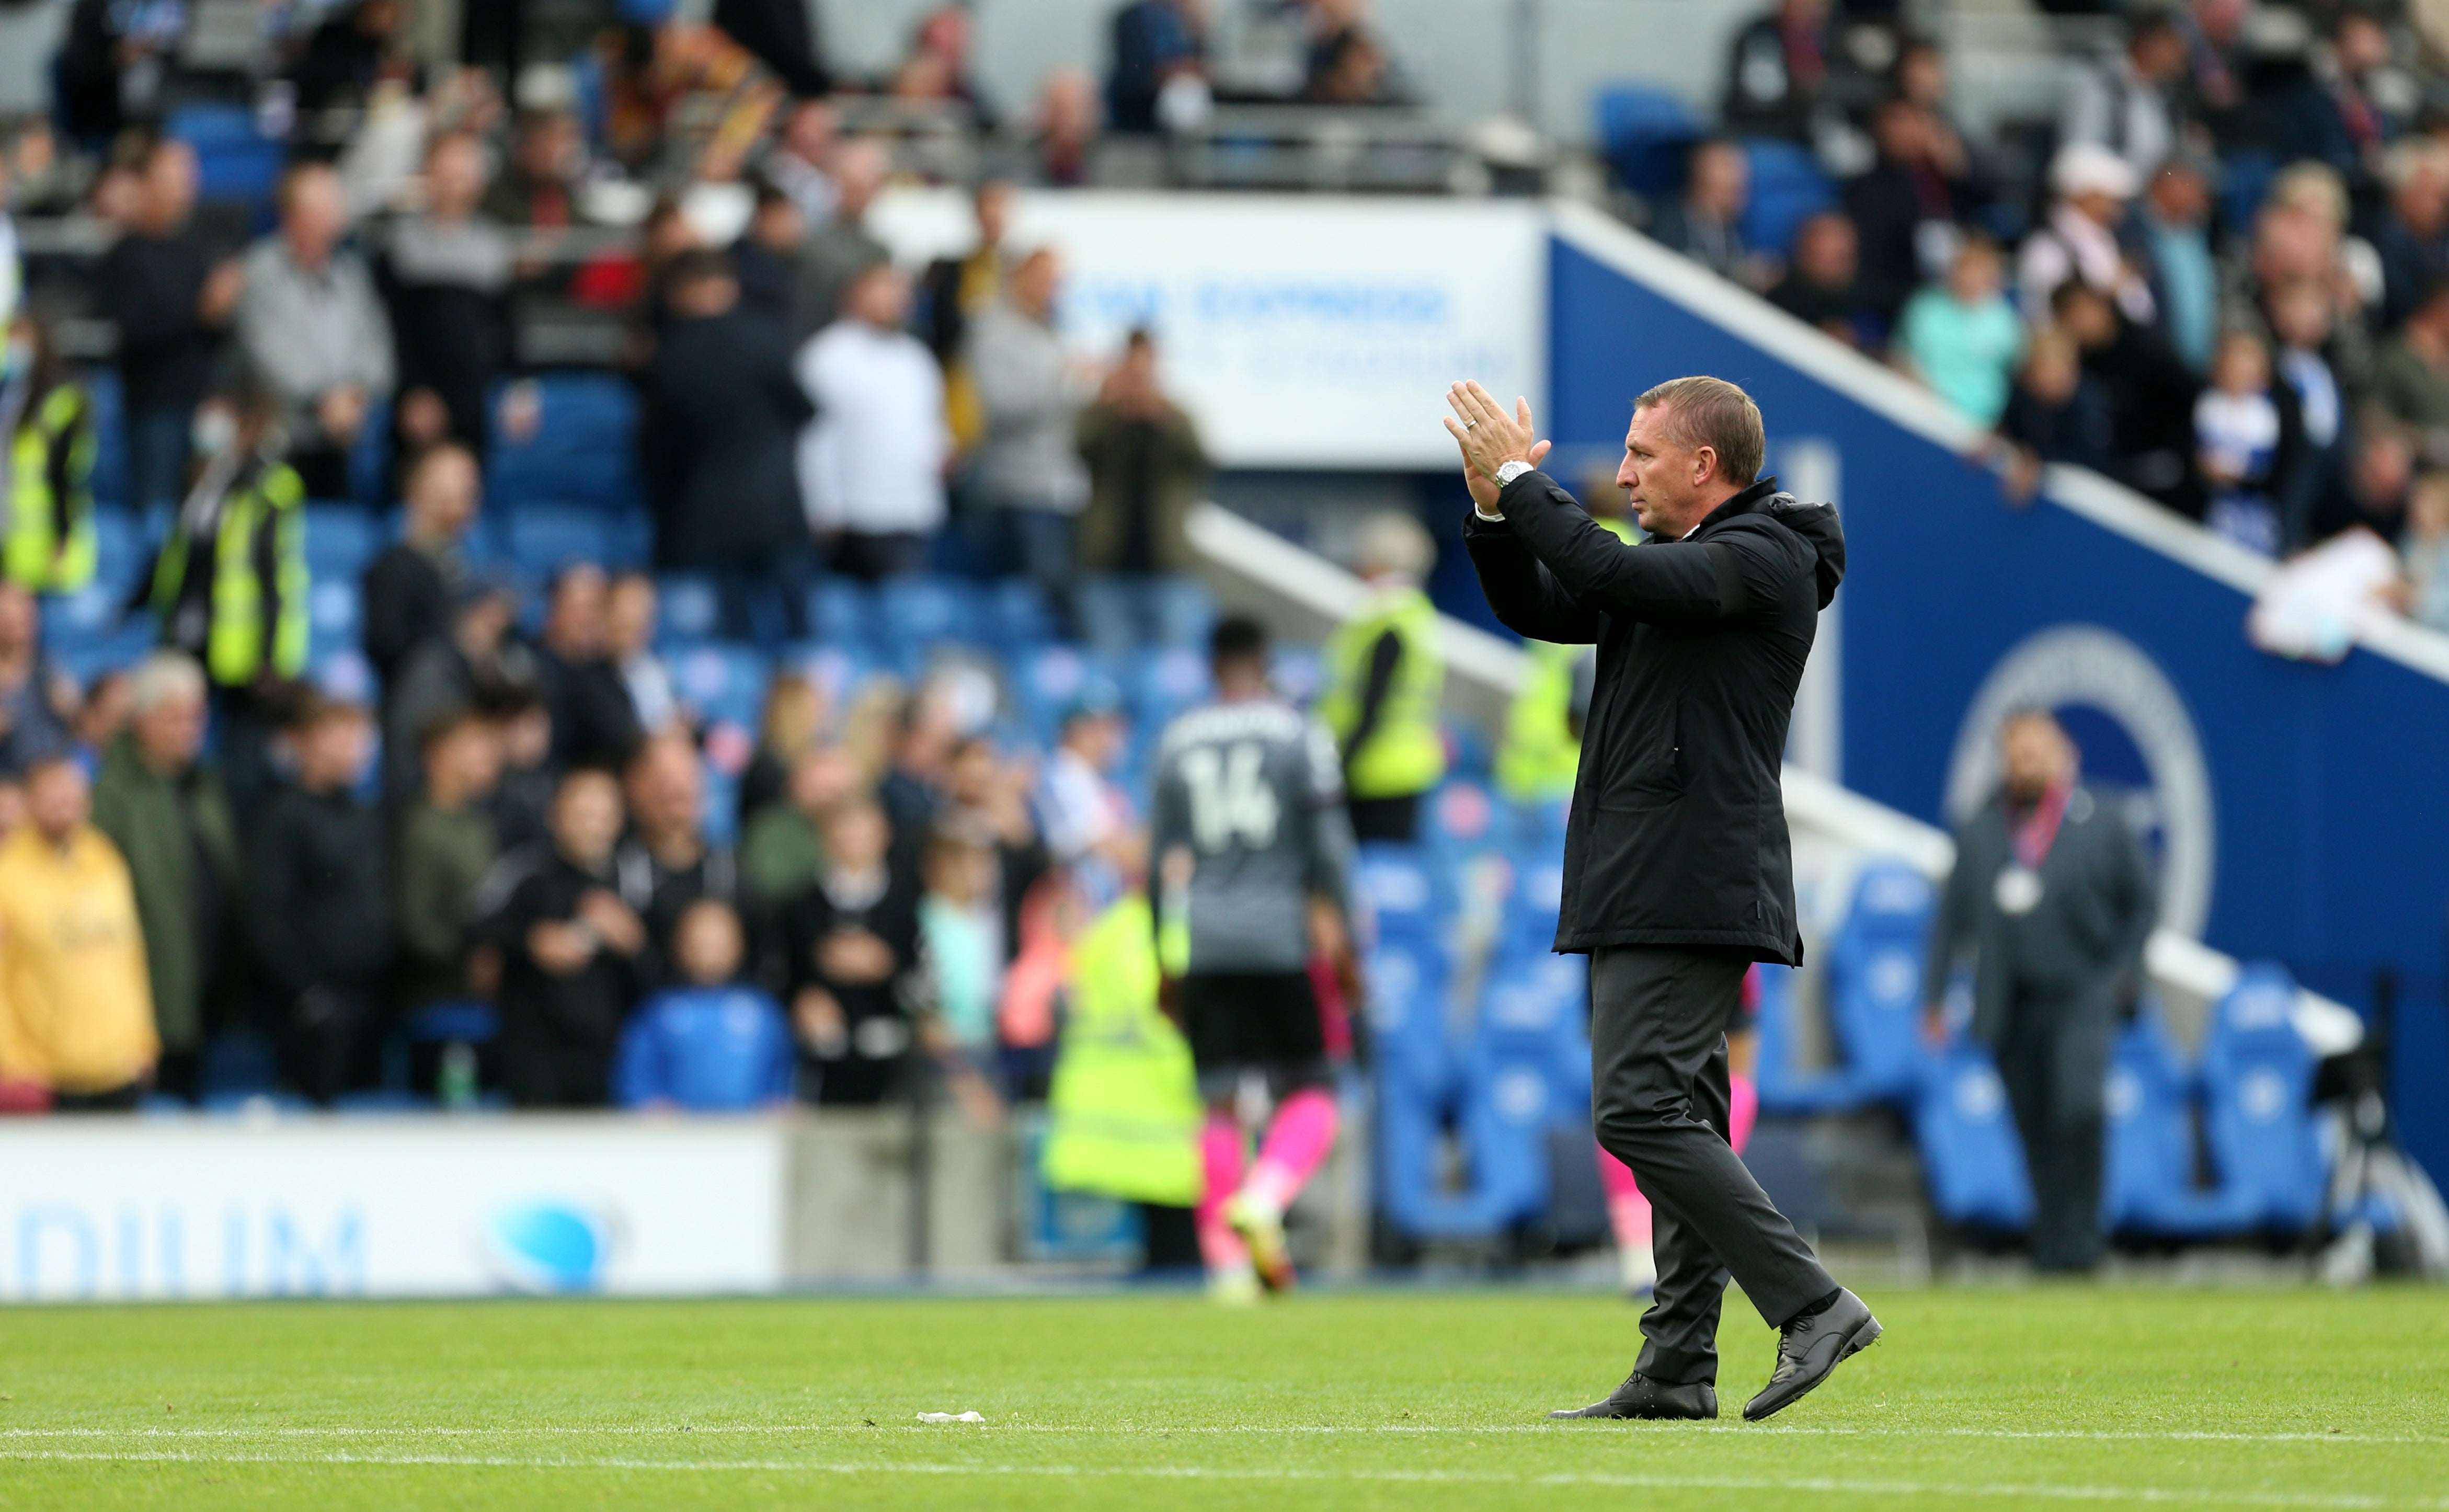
column 1712, row 413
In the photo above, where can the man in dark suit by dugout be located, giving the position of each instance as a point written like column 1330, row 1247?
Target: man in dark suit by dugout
column 1677, row 867
column 2051, row 894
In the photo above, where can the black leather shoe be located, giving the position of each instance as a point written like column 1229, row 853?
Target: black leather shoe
column 1809, row 1349
column 1641, row 1397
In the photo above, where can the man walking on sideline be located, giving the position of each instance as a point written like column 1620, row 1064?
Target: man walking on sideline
column 2052, row 895
column 1677, row 869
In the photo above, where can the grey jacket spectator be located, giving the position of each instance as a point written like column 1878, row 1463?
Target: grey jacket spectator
column 1026, row 458
column 309, row 324
column 2125, row 102
column 837, row 253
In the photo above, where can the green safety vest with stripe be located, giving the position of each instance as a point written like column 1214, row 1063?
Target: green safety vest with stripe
column 1404, row 752
column 50, row 541
column 262, row 526
column 1539, row 756
column 1123, row 1114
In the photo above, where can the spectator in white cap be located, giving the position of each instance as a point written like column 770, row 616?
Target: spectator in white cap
column 2080, row 240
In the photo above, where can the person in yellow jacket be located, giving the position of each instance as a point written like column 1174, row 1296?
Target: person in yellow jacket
column 49, row 430
column 1385, row 675
column 1123, row 1111
column 76, row 1013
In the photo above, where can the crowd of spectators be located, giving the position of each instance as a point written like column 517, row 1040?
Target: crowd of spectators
column 213, row 842
column 2223, row 285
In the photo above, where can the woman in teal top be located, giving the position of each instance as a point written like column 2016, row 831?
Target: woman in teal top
column 1962, row 338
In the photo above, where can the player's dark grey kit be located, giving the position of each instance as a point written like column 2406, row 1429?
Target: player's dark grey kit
column 1252, row 791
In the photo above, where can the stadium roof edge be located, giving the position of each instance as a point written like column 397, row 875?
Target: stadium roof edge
column 2111, row 505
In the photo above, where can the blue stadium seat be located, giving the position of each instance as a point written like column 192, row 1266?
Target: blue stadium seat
column 110, row 481
column 336, row 615
column 343, row 674
column 1399, row 892
column 843, row 613
column 93, row 611
column 723, row 681
column 1164, row 683
column 2257, row 1078
column 922, row 609
column 688, row 609
column 1788, row 187
column 370, row 480
column 1535, row 1010
column 583, row 450
column 2149, row 1157
column 1783, row 1088
column 1046, row 680
column 87, row 657
column 1648, row 134
column 465, row 1023
column 835, row 670
column 233, row 160
column 1875, row 971
column 541, row 539
column 1297, row 672
column 340, row 540
column 1970, row 1151
column 1018, row 614
column 235, row 1065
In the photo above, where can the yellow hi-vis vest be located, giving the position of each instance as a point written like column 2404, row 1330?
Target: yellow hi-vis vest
column 50, row 544
column 1123, row 1114
column 262, row 522
column 1404, row 752
column 1541, row 754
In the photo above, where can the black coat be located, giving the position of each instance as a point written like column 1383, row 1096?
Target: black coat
column 865, row 1069
column 1677, row 834
column 407, row 598
column 559, row 1032
column 319, row 893
column 724, row 413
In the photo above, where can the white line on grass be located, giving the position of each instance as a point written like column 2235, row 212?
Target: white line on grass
column 1827, row 1484
column 1797, row 1430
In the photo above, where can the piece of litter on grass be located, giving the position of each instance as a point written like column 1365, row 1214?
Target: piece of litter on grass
column 947, row 1417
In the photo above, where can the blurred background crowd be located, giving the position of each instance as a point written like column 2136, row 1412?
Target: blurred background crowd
column 523, row 581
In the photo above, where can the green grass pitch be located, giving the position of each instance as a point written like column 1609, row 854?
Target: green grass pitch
column 1417, row 1400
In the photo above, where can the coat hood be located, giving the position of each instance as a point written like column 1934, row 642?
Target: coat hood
column 1816, row 523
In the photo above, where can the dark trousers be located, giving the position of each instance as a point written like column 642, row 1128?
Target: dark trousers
column 332, row 1040
column 1658, row 1056
column 2054, row 1059
column 871, row 557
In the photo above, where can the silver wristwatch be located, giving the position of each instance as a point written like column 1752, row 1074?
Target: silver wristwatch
column 1507, row 472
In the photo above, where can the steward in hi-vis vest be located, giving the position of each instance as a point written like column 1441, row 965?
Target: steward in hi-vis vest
column 1385, row 676
column 230, row 584
column 50, row 540
column 1123, row 1110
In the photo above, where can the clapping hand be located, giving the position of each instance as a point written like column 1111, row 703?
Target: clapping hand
column 1490, row 438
